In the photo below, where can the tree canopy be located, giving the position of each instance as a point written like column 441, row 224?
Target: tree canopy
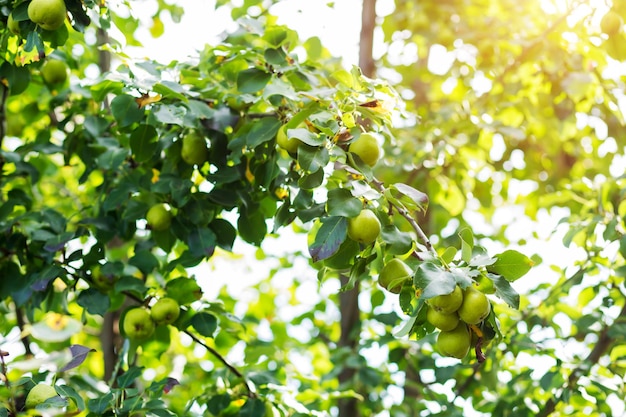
column 446, row 236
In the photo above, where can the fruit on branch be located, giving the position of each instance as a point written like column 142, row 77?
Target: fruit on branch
column 138, row 324
column 49, row 14
column 475, row 307
column 54, row 71
column 165, row 311
column 194, row 150
column 102, row 282
column 447, row 303
column 395, row 272
column 13, row 25
column 454, row 343
column 442, row 321
column 365, row 227
column 159, row 217
column 285, row 142
column 367, row 148
column 611, row 23
column 38, row 394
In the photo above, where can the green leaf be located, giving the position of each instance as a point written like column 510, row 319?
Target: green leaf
column 101, row 404
column 263, row 130
column 184, row 290
column 72, row 394
column 204, row 323
column 127, row 378
column 417, row 200
column 312, row 181
column 504, row 290
column 18, row 78
column 94, row 301
column 467, row 243
column 306, row 136
column 511, row 265
column 252, row 80
column 172, row 114
column 225, row 233
column 126, row 110
column 202, row 242
column 144, row 142
column 329, row 237
column 144, row 260
column 254, row 407
column 396, row 241
column 341, row 202
column 312, row 159
column 251, row 226
column 170, row 89
column 433, row 280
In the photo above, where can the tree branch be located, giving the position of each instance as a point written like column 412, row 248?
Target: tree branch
column 223, row 360
column 404, row 213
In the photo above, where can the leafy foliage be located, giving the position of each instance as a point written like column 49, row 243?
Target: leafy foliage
column 83, row 163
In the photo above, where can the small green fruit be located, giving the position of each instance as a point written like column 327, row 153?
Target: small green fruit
column 49, row 14
column 38, row 394
column 611, row 23
column 102, row 282
column 285, row 142
column 13, row 25
column 367, row 148
column 454, row 343
column 165, row 311
column 365, row 227
column 54, row 71
column 442, row 321
column 395, row 271
column 159, row 217
column 448, row 303
column 194, row 150
column 138, row 324
column 475, row 307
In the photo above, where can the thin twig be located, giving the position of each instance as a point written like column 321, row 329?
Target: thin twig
column 7, row 383
column 404, row 213
column 223, row 360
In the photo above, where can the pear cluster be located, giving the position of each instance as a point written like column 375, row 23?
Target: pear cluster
column 139, row 323
column 452, row 314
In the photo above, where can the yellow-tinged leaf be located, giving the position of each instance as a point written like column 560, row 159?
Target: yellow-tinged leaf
column 147, row 99
column 249, row 174
column 281, row 193
column 155, row 175
column 157, row 29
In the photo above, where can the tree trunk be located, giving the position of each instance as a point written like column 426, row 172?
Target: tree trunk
column 349, row 300
column 350, row 330
column 366, row 43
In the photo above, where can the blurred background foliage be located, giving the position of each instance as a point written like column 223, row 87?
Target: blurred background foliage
column 511, row 121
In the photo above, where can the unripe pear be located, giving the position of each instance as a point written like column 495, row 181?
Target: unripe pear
column 442, row 321
column 285, row 142
column 447, row 303
column 395, row 271
column 367, row 148
column 475, row 307
column 165, row 311
column 49, row 14
column 38, row 394
column 194, row 150
column 365, row 227
column 138, row 324
column 454, row 343
column 159, row 217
